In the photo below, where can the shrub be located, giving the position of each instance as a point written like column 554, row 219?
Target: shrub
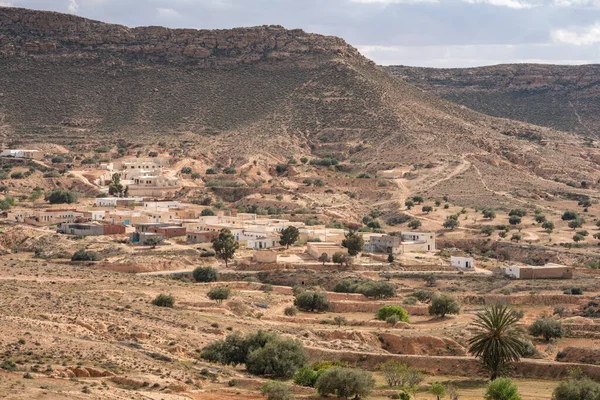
column 547, row 328
column 489, row 214
column 219, row 293
column 306, row 376
column 576, row 223
column 345, row 286
column 577, row 389
column 410, row 300
column 569, row 215
column 502, row 389
column 207, row 212
column 376, row 289
column 576, row 291
column 59, row 196
column 17, row 175
column 443, row 304
column 387, row 311
column 276, row 391
column 415, row 224
column 82, row 255
column 312, row 301
column 548, row 226
column 164, row 300
column 205, row 274
column 423, row 295
column 207, row 253
column 519, row 212
column 487, row 230
column 451, row 222
column 279, row 358
column 438, row 390
column 290, row 311
column 427, row 209
column 514, row 220
column 186, row 170
column 345, row 382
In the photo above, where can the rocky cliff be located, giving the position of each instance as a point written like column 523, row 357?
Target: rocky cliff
column 26, row 32
column 556, row 96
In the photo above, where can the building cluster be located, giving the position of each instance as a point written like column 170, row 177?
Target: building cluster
column 23, row 154
column 141, row 176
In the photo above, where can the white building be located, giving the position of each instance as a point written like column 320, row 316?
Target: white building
column 23, row 153
column 462, row 262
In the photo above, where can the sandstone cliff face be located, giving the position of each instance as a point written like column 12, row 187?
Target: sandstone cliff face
column 25, row 32
column 556, row 96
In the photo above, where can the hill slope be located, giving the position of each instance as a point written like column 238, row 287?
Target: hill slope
column 265, row 92
column 556, row 96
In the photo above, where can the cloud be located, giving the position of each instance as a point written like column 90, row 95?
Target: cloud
column 515, row 4
column 73, row 6
column 5, row 3
column 577, row 3
column 578, row 37
column 167, row 13
column 387, row 2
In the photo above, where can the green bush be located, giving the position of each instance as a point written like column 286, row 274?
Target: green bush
column 306, row 376
column 570, row 215
column 290, row 311
column 547, row 328
column 577, row 389
column 59, row 196
column 207, row 253
column 345, row 382
column 279, row 358
column 387, row 311
column 219, row 293
column 207, row 212
column 312, row 301
column 423, row 295
column 443, row 304
column 502, row 389
column 164, row 300
column 519, row 212
column 205, row 274
column 82, row 255
column 276, row 391
column 376, row 289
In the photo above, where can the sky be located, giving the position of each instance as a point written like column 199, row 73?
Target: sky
column 427, row 33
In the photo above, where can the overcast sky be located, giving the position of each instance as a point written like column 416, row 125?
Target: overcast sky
column 434, row 33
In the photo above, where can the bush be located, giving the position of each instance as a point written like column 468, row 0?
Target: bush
column 577, row 389
column 415, row 224
column 164, row 300
column 279, row 358
column 519, row 212
column 207, row 212
column 59, row 196
column 487, row 230
column 345, row 382
column 443, row 304
column 376, row 289
column 205, row 274
column 576, row 291
column 502, row 389
column 207, row 253
column 290, row 311
column 276, row 391
column 387, row 311
column 306, row 376
column 514, row 220
column 82, row 255
column 312, row 301
column 569, row 215
column 17, row 175
column 186, row 170
column 219, row 293
column 423, row 295
column 547, row 328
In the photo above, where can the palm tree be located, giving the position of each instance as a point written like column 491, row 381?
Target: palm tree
column 497, row 341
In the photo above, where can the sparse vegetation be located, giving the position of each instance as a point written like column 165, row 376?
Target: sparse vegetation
column 164, row 300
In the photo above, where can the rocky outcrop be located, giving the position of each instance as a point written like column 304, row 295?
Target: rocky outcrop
column 28, row 32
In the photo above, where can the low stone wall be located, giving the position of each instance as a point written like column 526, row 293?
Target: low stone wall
column 524, row 299
column 454, row 365
column 373, row 307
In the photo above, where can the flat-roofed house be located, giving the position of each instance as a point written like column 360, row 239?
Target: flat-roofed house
column 201, row 236
column 548, row 271
column 462, row 262
column 316, row 249
column 92, row 229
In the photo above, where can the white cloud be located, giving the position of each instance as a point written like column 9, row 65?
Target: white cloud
column 386, row 2
column 5, row 3
column 73, row 6
column 578, row 37
column 578, row 3
column 516, row 4
column 167, row 13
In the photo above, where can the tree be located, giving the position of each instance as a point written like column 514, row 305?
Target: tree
column 225, row 245
column 578, row 238
column 570, row 215
column 153, row 241
column 279, row 358
column 497, row 340
column 345, row 383
column 341, row 258
column 207, row 212
column 576, row 223
column 289, row 236
column 205, row 274
column 339, row 320
column 115, row 188
column 164, row 300
column 186, row 170
column 577, row 389
column 82, row 255
column 430, row 280
column 487, row 230
column 390, row 258
column 393, row 372
column 376, row 289
column 548, row 226
column 489, row 214
column 514, row 220
column 312, row 301
column 387, row 311
column 451, row 222
column 409, row 204
column 354, row 242
column 324, row 258
column 219, row 293
column 418, row 199
column 414, row 224
column 276, row 391
column 290, row 311
column 427, row 209
column 519, row 212
column 59, row 196
column 443, row 304
column 502, row 389
column 306, row 376
column 438, row 390
column 547, row 328
column 540, row 218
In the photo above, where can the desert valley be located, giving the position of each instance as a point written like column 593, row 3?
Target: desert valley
column 265, row 213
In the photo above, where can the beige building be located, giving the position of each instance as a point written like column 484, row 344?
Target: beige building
column 416, row 242
column 548, row 271
column 315, row 249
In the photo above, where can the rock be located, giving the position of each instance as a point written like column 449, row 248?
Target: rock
column 80, row 372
